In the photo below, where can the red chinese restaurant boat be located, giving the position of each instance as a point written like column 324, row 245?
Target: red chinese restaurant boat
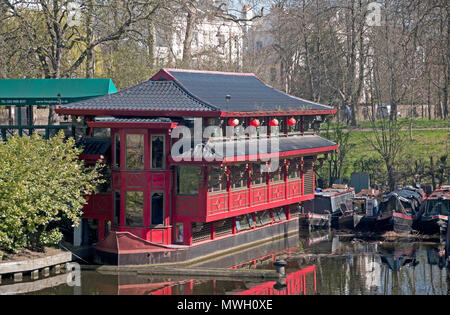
column 181, row 185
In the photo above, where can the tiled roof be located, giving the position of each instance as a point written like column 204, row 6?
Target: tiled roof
column 140, row 120
column 219, row 150
column 97, row 146
column 199, row 91
column 149, row 95
column 246, row 91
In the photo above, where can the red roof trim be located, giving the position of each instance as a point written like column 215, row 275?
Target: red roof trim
column 279, row 113
column 105, row 124
column 117, row 112
column 168, row 70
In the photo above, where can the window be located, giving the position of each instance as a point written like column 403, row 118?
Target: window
column 294, row 169
column 134, row 151
column 179, row 232
column 244, row 222
column 116, row 162
column 117, row 208
column 157, row 151
column 238, row 176
column 101, row 132
column 134, row 208
column 157, row 208
column 258, row 177
column 263, row 218
column 277, row 175
column 187, row 180
column 216, row 179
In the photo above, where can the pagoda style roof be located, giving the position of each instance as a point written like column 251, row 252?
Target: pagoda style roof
column 245, row 91
column 174, row 92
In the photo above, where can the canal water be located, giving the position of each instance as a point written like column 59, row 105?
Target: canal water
column 318, row 263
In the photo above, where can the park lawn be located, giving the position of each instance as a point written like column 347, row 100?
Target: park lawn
column 417, row 123
column 425, row 143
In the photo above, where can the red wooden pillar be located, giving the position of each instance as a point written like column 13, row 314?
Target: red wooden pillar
column 286, row 164
column 233, row 226
column 228, row 174
column 213, row 230
column 301, row 126
column 101, row 230
column 249, row 184
column 287, row 211
column 187, row 233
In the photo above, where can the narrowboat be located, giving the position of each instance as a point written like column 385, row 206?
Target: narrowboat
column 365, row 210
column 331, row 207
column 198, row 162
column 433, row 216
column 399, row 208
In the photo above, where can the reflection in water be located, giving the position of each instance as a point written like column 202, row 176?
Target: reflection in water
column 318, row 263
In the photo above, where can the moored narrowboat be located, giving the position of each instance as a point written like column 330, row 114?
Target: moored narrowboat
column 399, row 208
column 365, row 210
column 433, row 216
column 331, row 207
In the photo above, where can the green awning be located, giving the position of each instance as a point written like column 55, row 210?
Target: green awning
column 45, row 91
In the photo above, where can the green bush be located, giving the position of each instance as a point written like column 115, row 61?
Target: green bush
column 41, row 182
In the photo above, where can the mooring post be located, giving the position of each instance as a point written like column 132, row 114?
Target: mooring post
column 280, row 264
column 57, row 269
column 280, row 285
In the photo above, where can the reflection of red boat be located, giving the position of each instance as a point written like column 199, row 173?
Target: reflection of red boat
column 295, row 283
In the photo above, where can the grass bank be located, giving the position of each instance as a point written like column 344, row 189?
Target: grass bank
column 417, row 123
column 425, row 143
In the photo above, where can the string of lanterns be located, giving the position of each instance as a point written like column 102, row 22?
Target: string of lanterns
column 256, row 123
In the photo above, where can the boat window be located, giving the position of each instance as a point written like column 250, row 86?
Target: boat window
column 279, row 214
column 238, row 176
column 258, row 177
column 263, row 218
column 216, row 179
column 101, row 133
column 294, row 169
column 435, row 207
column 157, row 208
column 117, row 208
column 134, row 152
column 157, row 151
column 187, row 180
column 116, row 162
column 244, row 222
column 277, row 175
column 134, row 205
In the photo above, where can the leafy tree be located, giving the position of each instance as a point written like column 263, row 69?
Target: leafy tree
column 41, row 182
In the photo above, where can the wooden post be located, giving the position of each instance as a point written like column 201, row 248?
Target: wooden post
column 35, row 274
column 46, row 272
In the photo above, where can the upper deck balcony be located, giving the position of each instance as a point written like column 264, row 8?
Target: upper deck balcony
column 227, row 178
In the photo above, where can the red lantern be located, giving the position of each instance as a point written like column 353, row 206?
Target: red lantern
column 233, row 122
column 273, row 123
column 291, row 122
column 254, row 123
